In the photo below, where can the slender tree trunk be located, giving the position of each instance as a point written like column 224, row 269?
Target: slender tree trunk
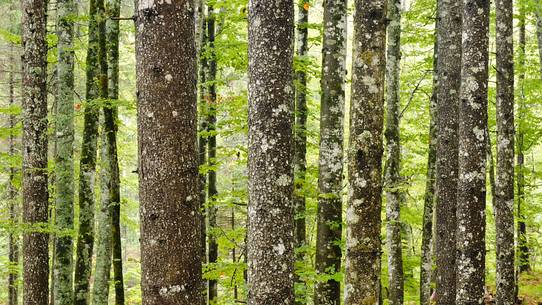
column 426, row 264
column 393, row 163
column 330, row 177
column 168, row 153
column 504, row 186
column 96, row 87
column 539, row 32
column 300, row 141
column 34, row 178
column 523, row 248
column 471, row 195
column 449, row 70
column 13, row 238
column 270, row 162
column 64, row 166
column 211, row 127
column 363, row 221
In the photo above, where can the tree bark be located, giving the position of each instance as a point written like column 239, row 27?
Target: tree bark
column 300, row 140
column 471, row 195
column 393, row 163
column 363, row 221
column 504, row 186
column 34, row 178
column 330, row 176
column 168, row 153
column 270, row 162
column 449, row 70
column 426, row 263
column 96, row 87
column 539, row 32
column 64, row 166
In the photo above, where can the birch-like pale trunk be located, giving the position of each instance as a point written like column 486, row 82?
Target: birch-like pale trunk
column 363, row 244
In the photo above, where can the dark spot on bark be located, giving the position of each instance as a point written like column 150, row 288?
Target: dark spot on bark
column 157, row 71
column 360, row 157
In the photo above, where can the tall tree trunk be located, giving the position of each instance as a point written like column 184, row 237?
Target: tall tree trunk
column 270, row 162
column 96, row 87
column 34, row 178
column 363, row 221
column 211, row 127
column 426, row 261
column 111, row 128
column 13, row 238
column 504, row 186
column 330, row 176
column 168, row 153
column 300, row 140
column 64, row 166
column 539, row 32
column 449, row 76
column 471, row 195
column 393, row 163
column 523, row 248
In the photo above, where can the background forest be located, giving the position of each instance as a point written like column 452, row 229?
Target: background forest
column 223, row 116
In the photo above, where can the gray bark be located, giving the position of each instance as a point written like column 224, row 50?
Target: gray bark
column 330, row 176
column 34, row 174
column 270, row 162
column 392, row 173
column 471, row 195
column 64, row 164
column 168, row 153
column 449, row 70
column 504, row 186
column 363, row 244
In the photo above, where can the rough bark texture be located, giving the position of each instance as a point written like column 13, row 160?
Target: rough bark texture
column 330, row 177
column 168, row 153
column 35, row 192
column 504, row 186
column 449, row 70
column 393, row 159
column 270, row 162
column 64, row 166
column 211, row 128
column 471, row 195
column 300, row 140
column 426, row 261
column 96, row 87
column 363, row 244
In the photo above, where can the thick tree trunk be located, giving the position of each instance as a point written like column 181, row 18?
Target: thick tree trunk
column 211, row 128
column 426, row 261
column 168, row 153
column 504, row 186
column 393, row 163
column 96, row 87
column 64, row 166
column 34, row 178
column 449, row 70
column 363, row 221
column 330, row 177
column 471, row 195
column 300, row 140
column 270, row 165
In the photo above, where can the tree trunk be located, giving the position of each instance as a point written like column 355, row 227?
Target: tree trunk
column 449, row 76
column 300, row 141
column 64, row 166
column 211, row 128
column 34, row 178
column 168, row 153
column 539, row 32
column 426, row 263
column 270, row 162
column 393, row 163
column 330, row 177
column 96, row 87
column 504, row 186
column 471, row 195
column 363, row 221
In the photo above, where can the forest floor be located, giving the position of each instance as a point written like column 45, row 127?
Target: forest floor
column 530, row 290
